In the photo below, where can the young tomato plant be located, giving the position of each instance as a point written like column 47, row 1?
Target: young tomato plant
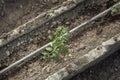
column 58, row 45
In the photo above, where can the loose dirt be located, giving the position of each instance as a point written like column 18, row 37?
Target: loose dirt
column 40, row 69
column 85, row 39
column 16, row 12
column 38, row 38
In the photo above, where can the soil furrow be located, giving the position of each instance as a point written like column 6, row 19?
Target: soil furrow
column 84, row 40
column 16, row 12
column 37, row 38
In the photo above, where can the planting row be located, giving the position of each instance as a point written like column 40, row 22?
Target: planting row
column 80, row 42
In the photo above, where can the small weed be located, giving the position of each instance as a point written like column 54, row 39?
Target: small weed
column 58, row 44
column 114, row 9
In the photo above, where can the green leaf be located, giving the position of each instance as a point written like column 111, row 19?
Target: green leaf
column 58, row 44
column 65, row 50
column 46, row 55
column 65, row 30
column 65, row 38
column 55, row 56
column 59, row 28
column 114, row 10
column 49, row 49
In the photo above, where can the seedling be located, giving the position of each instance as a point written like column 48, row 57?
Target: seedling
column 58, row 45
column 114, row 10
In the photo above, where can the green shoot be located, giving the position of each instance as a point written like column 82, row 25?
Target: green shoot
column 58, row 45
column 114, row 9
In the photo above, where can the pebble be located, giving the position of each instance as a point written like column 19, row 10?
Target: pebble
column 8, row 53
column 67, row 23
column 49, row 31
column 18, row 44
column 116, row 69
column 70, row 55
column 54, row 23
column 31, row 39
column 65, row 59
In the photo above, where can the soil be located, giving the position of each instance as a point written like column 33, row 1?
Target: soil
column 85, row 40
column 40, row 69
column 31, row 32
column 107, row 69
column 16, row 12
column 38, row 37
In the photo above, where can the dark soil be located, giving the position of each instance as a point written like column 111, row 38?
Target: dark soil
column 16, row 12
column 85, row 40
column 107, row 69
column 93, row 35
column 38, row 38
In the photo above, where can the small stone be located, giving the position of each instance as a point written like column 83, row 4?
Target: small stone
column 49, row 31
column 67, row 23
column 116, row 69
column 65, row 59
column 21, row 42
column 31, row 39
column 8, row 53
column 18, row 44
column 75, row 44
column 70, row 55
column 54, row 23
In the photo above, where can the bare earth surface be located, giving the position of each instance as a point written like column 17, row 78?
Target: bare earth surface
column 94, row 36
column 16, row 12
column 85, row 40
column 39, row 38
